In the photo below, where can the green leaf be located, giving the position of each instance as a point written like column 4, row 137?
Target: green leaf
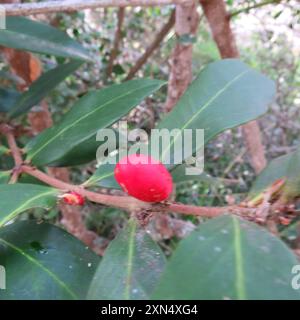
column 83, row 153
column 104, row 177
column 16, row 198
column 7, row 99
column 229, row 258
column 226, row 94
column 276, row 169
column 292, row 186
column 96, row 110
column 290, row 233
column 4, row 151
column 44, row 262
column 4, row 177
column 42, row 86
column 130, row 268
column 25, row 34
column 179, row 176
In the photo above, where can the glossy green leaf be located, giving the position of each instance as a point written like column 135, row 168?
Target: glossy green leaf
column 28, row 179
column 83, row 153
column 292, row 186
column 179, row 176
column 229, row 258
column 44, row 262
column 42, row 86
column 276, row 169
column 130, row 268
column 8, row 98
column 16, row 198
column 226, row 94
column 4, row 176
column 94, row 111
column 25, row 34
column 4, row 150
column 104, row 177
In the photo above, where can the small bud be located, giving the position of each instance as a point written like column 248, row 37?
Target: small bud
column 73, row 198
column 284, row 221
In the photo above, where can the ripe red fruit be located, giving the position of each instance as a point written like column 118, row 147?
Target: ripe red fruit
column 144, row 178
column 73, row 198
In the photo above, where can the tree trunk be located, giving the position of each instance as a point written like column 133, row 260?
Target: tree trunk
column 186, row 24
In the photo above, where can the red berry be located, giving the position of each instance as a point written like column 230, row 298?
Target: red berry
column 144, row 178
column 73, row 198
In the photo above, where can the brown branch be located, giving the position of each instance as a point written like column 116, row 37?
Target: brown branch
column 76, row 5
column 131, row 204
column 7, row 131
column 208, row 212
column 254, row 6
column 153, row 46
column 186, row 24
column 115, row 201
column 118, row 37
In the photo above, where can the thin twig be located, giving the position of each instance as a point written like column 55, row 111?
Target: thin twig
column 254, row 6
column 76, row 5
column 7, row 131
column 131, row 204
column 118, row 37
column 153, row 46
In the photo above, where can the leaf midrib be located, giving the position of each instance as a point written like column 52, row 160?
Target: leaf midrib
column 85, row 116
column 38, row 264
column 130, row 257
column 204, row 107
column 239, row 264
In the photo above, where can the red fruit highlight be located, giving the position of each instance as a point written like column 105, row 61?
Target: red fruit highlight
column 144, row 178
column 73, row 198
